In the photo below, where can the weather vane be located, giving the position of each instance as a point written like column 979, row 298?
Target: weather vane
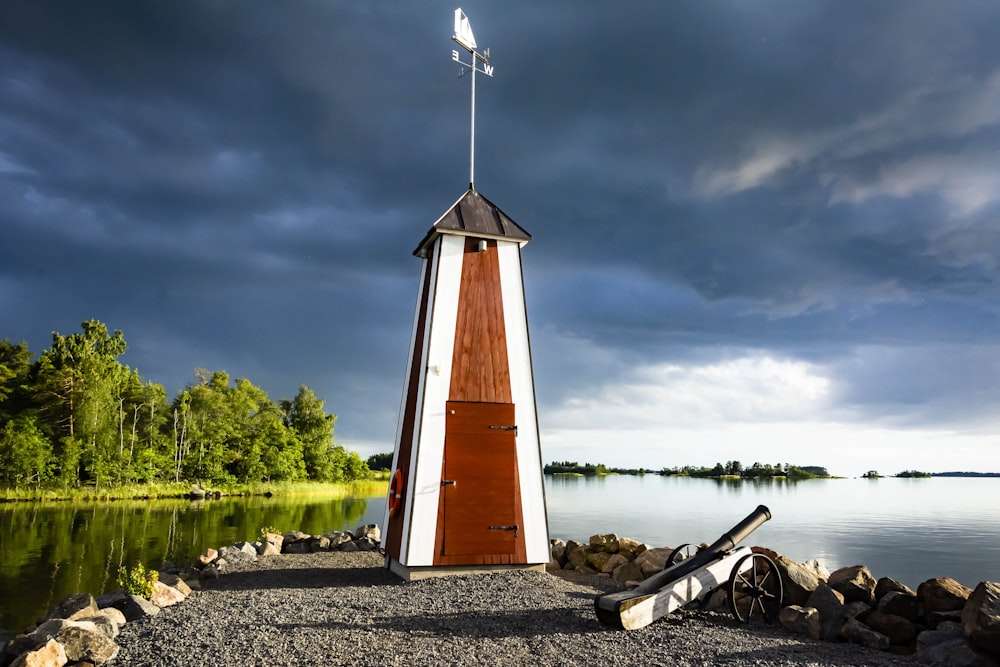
column 463, row 37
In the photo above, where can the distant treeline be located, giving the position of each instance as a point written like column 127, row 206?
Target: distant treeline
column 76, row 416
column 729, row 469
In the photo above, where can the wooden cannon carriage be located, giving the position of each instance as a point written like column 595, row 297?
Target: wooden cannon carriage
column 753, row 586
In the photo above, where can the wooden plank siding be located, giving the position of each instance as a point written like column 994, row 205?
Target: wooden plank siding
column 479, row 369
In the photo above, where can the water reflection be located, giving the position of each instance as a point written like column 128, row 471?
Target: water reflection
column 908, row 529
column 51, row 550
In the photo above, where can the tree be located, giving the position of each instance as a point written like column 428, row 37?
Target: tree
column 25, row 454
column 305, row 416
column 383, row 461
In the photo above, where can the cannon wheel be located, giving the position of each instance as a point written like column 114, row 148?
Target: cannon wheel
column 681, row 553
column 755, row 589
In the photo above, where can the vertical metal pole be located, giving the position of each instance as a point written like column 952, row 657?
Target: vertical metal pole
column 472, row 138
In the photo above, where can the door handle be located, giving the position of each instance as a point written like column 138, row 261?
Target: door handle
column 448, row 482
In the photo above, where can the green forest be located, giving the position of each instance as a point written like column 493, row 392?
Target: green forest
column 729, row 469
column 75, row 416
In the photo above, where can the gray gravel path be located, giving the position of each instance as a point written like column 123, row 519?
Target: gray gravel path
column 334, row 608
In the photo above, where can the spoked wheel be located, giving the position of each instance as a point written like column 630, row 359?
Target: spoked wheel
column 683, row 552
column 755, row 589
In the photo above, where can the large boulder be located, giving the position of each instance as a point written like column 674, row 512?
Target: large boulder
column 652, row 561
column 830, row 605
column 174, row 581
column 574, row 554
column 801, row 620
column 798, row 580
column 630, row 548
column 86, row 644
column 134, row 607
column 901, row 604
column 557, row 550
column 942, row 594
column 887, row 585
column 898, row 629
column 627, row 572
column 857, row 632
column 369, row 530
column 981, row 617
column 607, row 542
column 613, row 563
column 74, row 606
column 598, row 559
column 955, row 653
column 164, row 596
column 50, row 654
column 206, row 557
column 855, row 583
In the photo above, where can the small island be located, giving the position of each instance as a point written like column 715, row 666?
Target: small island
column 729, row 470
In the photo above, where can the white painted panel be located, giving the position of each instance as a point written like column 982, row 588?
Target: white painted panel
column 427, row 265
column 529, row 457
column 429, row 443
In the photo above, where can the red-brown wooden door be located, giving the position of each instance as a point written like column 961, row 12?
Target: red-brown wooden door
column 480, row 513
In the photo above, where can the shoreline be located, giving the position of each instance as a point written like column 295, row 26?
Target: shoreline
column 345, row 608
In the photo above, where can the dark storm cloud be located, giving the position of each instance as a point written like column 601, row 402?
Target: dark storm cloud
column 240, row 186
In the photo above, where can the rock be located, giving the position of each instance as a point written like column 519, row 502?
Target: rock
column 50, row 654
column 234, row 556
column 857, row 632
column 295, row 548
column 321, row 543
column 248, row 548
column 209, row 572
column 338, row 538
column 938, row 619
column 175, row 581
column 369, row 530
column 269, row 549
column 350, row 546
column 929, row 638
column 856, row 610
column 627, row 572
column 206, row 557
column 614, row 562
column 630, row 548
column 652, row 561
column 105, row 625
column 855, row 583
column 164, row 596
column 817, row 568
column 902, row 604
column 275, row 540
column 801, row 620
column 981, row 617
column 84, row 644
column 169, row 566
column 74, row 606
column 887, row 585
column 942, row 594
column 955, row 653
column 898, row 629
column 293, row 536
column 366, row 544
column 557, row 549
column 134, row 607
column 607, row 543
column 830, row 605
column 598, row 559
column 574, row 553
column 798, row 581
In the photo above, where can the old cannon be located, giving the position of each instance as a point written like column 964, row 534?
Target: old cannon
column 752, row 583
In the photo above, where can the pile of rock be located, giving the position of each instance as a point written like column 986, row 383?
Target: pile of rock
column 81, row 630
column 943, row 622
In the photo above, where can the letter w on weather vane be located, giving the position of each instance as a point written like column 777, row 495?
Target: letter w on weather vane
column 463, row 37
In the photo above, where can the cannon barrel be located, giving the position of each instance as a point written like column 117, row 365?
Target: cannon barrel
column 729, row 540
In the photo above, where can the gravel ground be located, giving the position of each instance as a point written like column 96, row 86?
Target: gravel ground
column 335, row 608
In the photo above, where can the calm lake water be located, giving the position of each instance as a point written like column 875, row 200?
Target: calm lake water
column 909, row 529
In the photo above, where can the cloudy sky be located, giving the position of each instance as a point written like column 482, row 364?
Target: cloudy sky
column 764, row 230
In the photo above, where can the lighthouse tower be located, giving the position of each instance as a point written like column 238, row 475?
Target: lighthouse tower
column 466, row 491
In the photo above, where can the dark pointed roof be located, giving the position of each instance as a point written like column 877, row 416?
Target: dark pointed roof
column 474, row 215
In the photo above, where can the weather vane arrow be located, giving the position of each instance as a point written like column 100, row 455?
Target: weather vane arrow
column 463, row 37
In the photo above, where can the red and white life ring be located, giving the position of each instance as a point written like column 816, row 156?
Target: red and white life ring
column 396, row 492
